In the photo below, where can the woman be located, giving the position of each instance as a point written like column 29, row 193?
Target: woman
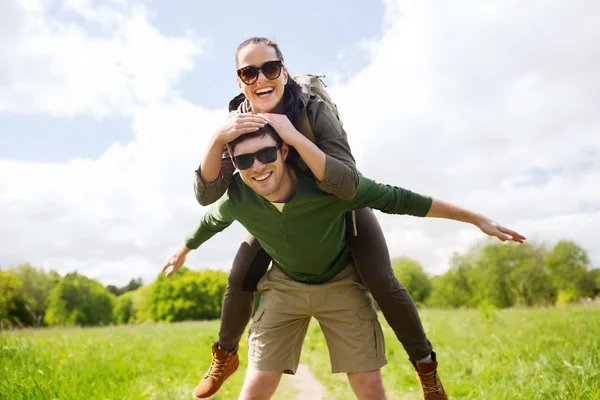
column 270, row 95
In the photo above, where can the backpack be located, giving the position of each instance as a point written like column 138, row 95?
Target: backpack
column 311, row 84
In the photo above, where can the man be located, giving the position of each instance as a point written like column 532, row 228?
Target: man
column 303, row 230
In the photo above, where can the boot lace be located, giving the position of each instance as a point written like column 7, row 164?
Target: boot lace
column 216, row 368
column 430, row 382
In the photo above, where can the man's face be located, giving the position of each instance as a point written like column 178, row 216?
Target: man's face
column 264, row 179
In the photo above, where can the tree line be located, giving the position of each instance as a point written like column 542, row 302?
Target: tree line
column 502, row 275
column 490, row 274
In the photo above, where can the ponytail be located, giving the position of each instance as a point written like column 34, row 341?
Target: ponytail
column 292, row 105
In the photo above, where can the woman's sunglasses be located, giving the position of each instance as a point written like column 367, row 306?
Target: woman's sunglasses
column 265, row 156
column 271, row 70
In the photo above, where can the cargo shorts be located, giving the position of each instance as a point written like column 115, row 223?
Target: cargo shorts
column 342, row 306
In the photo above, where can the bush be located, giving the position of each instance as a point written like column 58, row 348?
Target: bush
column 78, row 300
column 37, row 285
column 124, row 312
column 188, row 295
column 411, row 275
column 567, row 296
column 12, row 305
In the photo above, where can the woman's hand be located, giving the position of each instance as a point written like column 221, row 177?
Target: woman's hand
column 237, row 126
column 283, row 126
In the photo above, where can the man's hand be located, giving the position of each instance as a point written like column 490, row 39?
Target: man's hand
column 237, row 126
column 283, row 127
column 491, row 228
column 175, row 262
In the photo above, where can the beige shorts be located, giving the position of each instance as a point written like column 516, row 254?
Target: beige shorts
column 342, row 306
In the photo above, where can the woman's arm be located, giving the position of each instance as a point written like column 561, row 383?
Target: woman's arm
column 216, row 169
column 329, row 159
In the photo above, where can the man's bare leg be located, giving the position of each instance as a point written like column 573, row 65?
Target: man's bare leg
column 260, row 385
column 367, row 385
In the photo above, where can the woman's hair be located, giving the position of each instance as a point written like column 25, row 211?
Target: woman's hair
column 292, row 106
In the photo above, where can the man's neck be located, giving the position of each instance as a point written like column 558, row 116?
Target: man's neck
column 287, row 188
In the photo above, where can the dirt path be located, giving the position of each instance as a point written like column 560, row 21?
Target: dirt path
column 307, row 386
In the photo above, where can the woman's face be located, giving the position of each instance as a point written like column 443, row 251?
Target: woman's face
column 264, row 94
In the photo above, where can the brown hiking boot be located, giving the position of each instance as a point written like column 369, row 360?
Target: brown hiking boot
column 224, row 364
column 431, row 386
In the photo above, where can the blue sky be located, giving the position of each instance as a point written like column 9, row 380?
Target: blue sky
column 106, row 108
column 316, row 32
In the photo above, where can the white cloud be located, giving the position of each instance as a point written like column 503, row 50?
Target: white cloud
column 97, row 60
column 467, row 102
column 492, row 106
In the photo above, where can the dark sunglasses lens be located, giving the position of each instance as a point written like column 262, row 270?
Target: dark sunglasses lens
column 244, row 161
column 248, row 75
column 271, row 69
column 267, row 156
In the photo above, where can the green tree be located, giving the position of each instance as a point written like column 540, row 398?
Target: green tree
column 131, row 286
column 37, row 285
column 508, row 274
column 454, row 289
column 78, row 300
column 188, row 295
column 568, row 266
column 410, row 273
column 594, row 277
column 141, row 299
column 12, row 305
column 496, row 275
column 124, row 312
column 114, row 290
column 529, row 277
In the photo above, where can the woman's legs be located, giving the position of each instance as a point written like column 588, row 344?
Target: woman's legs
column 249, row 265
column 372, row 260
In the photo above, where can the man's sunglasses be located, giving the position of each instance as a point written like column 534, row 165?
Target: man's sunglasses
column 271, row 70
column 265, row 156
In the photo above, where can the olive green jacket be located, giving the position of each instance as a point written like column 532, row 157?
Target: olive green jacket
column 341, row 174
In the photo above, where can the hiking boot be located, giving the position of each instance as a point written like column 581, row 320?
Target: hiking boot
column 224, row 364
column 431, row 386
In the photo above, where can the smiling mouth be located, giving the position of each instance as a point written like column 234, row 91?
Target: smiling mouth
column 263, row 178
column 263, row 92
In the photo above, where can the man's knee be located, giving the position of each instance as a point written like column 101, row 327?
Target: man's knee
column 260, row 385
column 367, row 385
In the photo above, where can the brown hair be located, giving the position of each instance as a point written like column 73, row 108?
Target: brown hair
column 266, row 130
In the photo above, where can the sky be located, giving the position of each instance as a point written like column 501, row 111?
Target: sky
column 106, row 108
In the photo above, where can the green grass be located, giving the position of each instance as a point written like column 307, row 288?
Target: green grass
column 508, row 354
column 132, row 362
column 505, row 354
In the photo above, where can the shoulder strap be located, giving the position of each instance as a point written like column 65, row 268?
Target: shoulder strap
column 304, row 126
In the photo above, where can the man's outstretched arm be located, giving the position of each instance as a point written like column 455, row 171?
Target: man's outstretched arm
column 213, row 222
column 443, row 209
column 396, row 200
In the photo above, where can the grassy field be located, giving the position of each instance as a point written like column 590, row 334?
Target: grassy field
column 509, row 354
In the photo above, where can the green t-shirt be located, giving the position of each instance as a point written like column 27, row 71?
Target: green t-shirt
column 307, row 240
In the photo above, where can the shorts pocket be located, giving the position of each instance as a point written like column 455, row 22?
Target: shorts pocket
column 260, row 312
column 375, row 343
column 253, row 347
